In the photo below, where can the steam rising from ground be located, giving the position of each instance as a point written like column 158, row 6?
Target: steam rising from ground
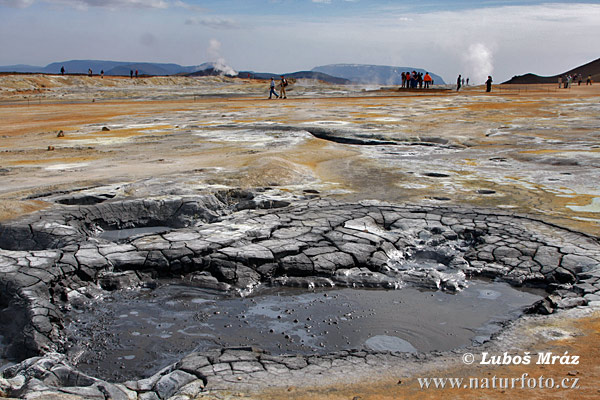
column 214, row 53
column 479, row 62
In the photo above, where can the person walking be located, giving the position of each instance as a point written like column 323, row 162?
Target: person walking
column 283, row 84
column 272, row 92
column 458, row 82
column 488, row 84
column 589, row 80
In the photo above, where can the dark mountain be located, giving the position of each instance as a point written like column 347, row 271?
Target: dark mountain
column 212, row 71
column 592, row 68
column 372, row 74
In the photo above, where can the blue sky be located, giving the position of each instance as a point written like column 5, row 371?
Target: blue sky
column 474, row 38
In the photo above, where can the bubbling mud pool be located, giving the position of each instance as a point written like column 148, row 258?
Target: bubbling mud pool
column 135, row 333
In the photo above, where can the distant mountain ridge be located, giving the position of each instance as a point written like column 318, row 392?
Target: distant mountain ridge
column 109, row 68
column 374, row 74
column 295, row 75
column 335, row 73
column 592, row 68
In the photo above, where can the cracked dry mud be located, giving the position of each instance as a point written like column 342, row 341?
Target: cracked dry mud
column 368, row 189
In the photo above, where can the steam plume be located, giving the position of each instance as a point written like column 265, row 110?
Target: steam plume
column 218, row 60
column 479, row 62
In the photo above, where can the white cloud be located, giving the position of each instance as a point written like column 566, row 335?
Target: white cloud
column 148, row 39
column 214, row 22
column 16, row 3
column 84, row 4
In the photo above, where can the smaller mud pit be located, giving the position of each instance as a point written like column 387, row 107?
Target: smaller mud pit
column 135, row 333
column 119, row 235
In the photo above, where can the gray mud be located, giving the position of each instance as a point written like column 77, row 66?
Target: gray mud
column 135, row 333
column 118, row 235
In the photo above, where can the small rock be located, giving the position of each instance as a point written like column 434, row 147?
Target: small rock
column 60, row 134
column 105, row 129
column 50, row 148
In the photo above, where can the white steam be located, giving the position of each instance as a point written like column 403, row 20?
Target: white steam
column 479, row 63
column 214, row 53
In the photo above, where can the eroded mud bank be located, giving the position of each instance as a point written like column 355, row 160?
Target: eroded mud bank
column 240, row 240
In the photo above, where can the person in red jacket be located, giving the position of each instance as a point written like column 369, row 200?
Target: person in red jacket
column 427, row 79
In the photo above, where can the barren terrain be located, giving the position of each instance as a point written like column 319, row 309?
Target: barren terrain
column 531, row 149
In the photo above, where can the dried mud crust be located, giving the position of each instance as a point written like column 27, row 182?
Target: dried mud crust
column 236, row 239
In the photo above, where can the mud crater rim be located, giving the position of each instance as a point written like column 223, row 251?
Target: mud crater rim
column 235, row 240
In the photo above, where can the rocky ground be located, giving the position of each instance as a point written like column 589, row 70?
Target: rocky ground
column 338, row 186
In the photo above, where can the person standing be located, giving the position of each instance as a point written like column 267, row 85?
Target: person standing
column 131, row 73
column 102, row 74
column 62, row 70
column 488, row 84
column 589, row 80
column 427, row 79
column 272, row 92
column 136, row 73
column 284, row 83
column 559, row 82
column 458, row 82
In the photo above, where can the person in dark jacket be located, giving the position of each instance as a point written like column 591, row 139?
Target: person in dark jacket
column 488, row 84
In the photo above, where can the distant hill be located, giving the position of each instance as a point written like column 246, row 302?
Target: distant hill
column 592, row 68
column 376, row 74
column 23, row 68
column 109, row 68
column 295, row 75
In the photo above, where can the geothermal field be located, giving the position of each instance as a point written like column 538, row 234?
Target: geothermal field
column 187, row 238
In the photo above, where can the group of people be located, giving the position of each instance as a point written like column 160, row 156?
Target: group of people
column 282, row 85
column 90, row 72
column 567, row 80
column 416, row 80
